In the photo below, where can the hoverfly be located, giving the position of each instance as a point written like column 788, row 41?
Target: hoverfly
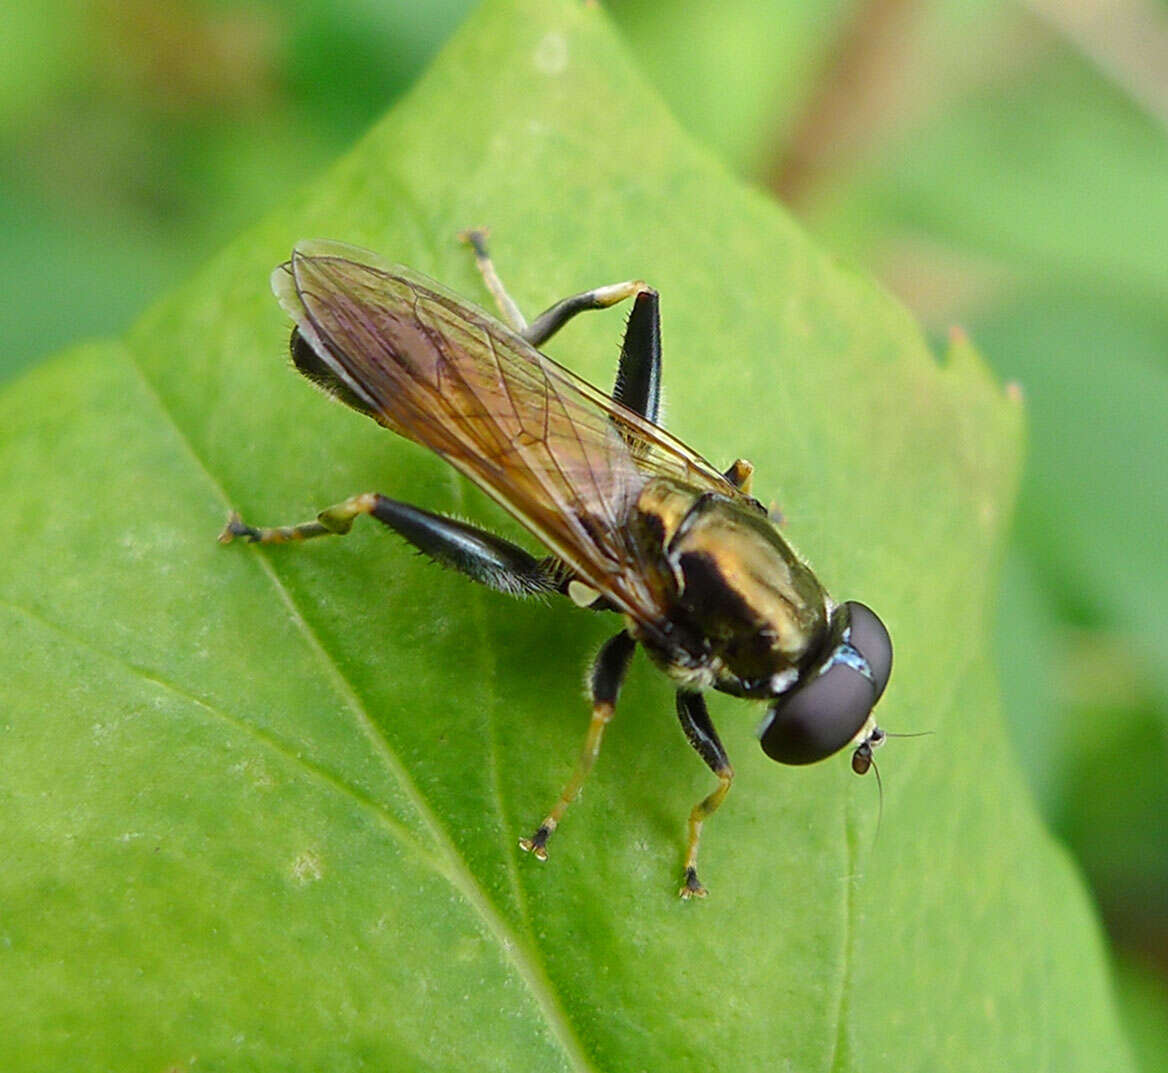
column 636, row 522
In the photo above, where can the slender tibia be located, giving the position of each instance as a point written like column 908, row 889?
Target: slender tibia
column 699, row 729
column 480, row 555
column 608, row 673
column 537, row 844
column 335, row 521
column 476, row 238
column 692, row 887
column 551, row 320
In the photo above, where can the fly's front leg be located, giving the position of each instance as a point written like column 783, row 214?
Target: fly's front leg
column 481, row 555
column 695, row 721
column 551, row 320
column 608, row 673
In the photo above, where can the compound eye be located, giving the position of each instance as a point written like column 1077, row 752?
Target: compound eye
column 826, row 713
column 819, row 718
column 868, row 636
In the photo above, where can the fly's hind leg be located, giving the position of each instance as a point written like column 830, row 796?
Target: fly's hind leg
column 608, row 674
column 695, row 721
column 552, row 319
column 478, row 554
column 476, row 239
column 638, row 376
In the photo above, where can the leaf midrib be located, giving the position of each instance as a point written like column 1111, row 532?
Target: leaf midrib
column 450, row 863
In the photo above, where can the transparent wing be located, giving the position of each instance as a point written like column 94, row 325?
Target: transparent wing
column 564, row 458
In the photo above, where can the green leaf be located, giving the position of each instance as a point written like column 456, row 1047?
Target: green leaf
column 1035, row 207
column 1059, row 174
column 261, row 805
column 737, row 72
column 1097, row 389
column 1144, row 1000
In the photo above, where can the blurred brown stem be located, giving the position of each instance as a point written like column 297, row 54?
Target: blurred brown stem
column 1127, row 40
column 840, row 111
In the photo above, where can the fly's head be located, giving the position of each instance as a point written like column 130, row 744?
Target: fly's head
column 830, row 704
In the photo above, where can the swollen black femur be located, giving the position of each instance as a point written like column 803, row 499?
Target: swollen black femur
column 828, row 708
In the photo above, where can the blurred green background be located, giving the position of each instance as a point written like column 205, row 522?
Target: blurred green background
column 1001, row 166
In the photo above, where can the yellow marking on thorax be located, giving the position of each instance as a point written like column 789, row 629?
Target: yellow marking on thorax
column 668, row 502
column 761, row 575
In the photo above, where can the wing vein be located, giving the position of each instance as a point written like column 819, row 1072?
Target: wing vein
column 566, row 460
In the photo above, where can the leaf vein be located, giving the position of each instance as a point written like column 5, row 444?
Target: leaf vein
column 458, row 873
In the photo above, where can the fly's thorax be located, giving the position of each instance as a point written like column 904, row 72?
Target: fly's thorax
column 662, row 506
column 683, row 659
column 736, row 586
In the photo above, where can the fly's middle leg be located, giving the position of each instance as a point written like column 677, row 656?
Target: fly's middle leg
column 480, row 555
column 337, row 520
